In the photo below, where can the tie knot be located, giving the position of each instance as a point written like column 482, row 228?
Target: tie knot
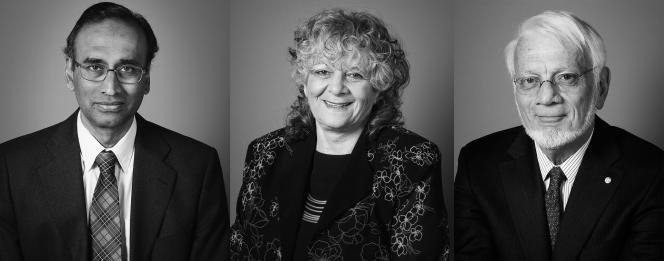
column 105, row 160
column 556, row 175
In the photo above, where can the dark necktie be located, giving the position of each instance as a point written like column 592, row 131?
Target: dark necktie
column 554, row 203
column 105, row 225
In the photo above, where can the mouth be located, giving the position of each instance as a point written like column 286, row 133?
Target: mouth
column 336, row 105
column 109, row 106
column 550, row 118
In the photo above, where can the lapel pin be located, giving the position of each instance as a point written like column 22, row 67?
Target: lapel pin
column 607, row 180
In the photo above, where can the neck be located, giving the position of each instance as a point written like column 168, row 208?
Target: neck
column 559, row 155
column 107, row 137
column 336, row 143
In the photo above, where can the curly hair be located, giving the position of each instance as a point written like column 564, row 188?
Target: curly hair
column 334, row 35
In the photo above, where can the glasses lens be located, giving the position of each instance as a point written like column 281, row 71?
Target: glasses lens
column 93, row 72
column 527, row 84
column 129, row 73
column 567, row 79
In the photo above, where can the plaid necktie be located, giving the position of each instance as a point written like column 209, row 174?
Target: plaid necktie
column 105, row 225
column 554, row 203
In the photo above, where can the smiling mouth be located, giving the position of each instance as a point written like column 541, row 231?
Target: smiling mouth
column 110, row 106
column 334, row 105
column 550, row 119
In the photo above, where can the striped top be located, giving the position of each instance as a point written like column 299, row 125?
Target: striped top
column 326, row 170
column 313, row 208
column 570, row 168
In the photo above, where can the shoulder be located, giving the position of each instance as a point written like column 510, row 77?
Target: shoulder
column 178, row 143
column 29, row 143
column 270, row 142
column 397, row 148
column 631, row 143
column 278, row 136
column 500, row 140
column 635, row 151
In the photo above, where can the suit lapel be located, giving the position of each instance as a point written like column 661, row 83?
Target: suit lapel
column 61, row 183
column 151, row 189
column 294, row 181
column 590, row 193
column 524, row 191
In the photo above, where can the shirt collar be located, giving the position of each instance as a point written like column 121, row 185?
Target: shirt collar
column 90, row 147
column 569, row 167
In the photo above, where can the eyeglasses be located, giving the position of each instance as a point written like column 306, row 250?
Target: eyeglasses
column 564, row 81
column 96, row 72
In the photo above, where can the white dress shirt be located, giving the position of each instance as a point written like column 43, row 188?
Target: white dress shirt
column 570, row 168
column 124, row 151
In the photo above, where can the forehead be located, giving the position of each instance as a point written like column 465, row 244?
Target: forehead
column 111, row 39
column 343, row 58
column 543, row 51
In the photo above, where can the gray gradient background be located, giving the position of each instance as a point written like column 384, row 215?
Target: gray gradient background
column 189, row 76
column 633, row 32
column 261, row 88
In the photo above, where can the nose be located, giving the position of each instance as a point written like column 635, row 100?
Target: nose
column 548, row 94
column 337, row 84
column 111, row 86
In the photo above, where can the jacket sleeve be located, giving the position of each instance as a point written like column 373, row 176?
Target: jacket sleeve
column 240, row 230
column 212, row 228
column 472, row 238
column 9, row 243
column 419, row 227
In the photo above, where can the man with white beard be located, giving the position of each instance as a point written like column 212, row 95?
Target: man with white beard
column 566, row 185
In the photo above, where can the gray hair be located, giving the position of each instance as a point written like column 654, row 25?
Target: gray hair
column 570, row 30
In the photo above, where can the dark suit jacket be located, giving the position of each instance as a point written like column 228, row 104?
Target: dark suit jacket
column 178, row 209
column 499, row 200
column 388, row 204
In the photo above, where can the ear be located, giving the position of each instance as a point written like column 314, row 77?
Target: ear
column 69, row 73
column 603, row 87
column 146, row 84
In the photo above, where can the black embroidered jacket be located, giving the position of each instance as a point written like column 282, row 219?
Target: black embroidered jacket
column 388, row 205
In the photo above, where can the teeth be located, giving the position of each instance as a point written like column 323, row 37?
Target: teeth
column 336, row 105
column 109, row 107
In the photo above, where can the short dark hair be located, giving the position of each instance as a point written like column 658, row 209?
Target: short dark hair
column 107, row 10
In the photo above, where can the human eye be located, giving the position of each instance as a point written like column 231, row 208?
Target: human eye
column 95, row 67
column 129, row 69
column 527, row 82
column 356, row 76
column 567, row 78
column 323, row 73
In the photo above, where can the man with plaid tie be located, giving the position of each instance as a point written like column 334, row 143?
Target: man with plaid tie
column 106, row 184
column 566, row 185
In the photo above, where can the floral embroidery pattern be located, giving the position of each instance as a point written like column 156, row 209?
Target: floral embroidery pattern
column 274, row 208
column 361, row 233
column 393, row 184
column 245, row 234
column 324, row 251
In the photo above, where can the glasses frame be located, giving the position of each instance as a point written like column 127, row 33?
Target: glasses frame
column 114, row 70
column 552, row 80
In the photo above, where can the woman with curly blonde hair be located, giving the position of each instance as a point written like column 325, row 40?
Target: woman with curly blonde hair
column 343, row 180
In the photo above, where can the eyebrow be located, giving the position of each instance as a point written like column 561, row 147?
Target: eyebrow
column 121, row 62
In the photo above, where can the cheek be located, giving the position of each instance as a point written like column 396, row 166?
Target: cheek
column 313, row 87
column 523, row 103
column 365, row 93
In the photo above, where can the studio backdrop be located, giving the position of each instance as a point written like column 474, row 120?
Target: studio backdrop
column 633, row 36
column 188, row 78
column 262, row 90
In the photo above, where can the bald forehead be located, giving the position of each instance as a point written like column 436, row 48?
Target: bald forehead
column 534, row 47
column 127, row 37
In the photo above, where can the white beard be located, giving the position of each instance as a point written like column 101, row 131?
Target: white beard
column 556, row 138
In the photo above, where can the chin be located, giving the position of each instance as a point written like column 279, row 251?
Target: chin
column 556, row 138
